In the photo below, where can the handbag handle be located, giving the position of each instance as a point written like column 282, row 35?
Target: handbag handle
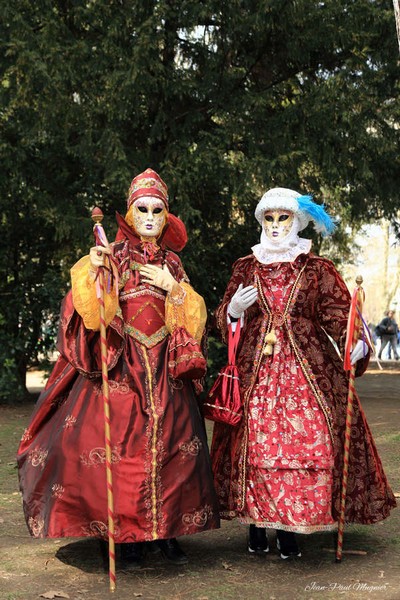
column 233, row 342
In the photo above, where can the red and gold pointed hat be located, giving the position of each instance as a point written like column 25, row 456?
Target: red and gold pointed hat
column 148, row 183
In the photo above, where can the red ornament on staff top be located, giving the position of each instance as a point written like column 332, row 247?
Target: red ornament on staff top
column 97, row 214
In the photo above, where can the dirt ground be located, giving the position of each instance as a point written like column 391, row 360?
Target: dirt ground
column 219, row 567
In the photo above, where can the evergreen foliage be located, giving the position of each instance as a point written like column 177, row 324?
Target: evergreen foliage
column 223, row 99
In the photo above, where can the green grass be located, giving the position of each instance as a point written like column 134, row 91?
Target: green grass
column 388, row 438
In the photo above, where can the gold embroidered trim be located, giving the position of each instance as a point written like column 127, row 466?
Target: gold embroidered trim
column 135, row 266
column 188, row 342
column 142, row 338
column 222, row 408
column 141, row 291
column 184, row 358
column 294, row 528
column 123, row 279
column 153, row 446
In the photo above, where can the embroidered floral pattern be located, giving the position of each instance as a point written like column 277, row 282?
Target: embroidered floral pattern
column 69, row 421
column 191, row 448
column 98, row 529
column 178, row 296
column 58, row 401
column 37, row 457
column 36, row 526
column 26, row 436
column 121, row 387
column 57, row 490
column 97, row 456
column 175, row 384
column 197, row 519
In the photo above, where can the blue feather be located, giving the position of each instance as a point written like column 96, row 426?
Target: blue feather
column 323, row 223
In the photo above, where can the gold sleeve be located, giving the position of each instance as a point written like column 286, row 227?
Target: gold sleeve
column 185, row 308
column 84, row 296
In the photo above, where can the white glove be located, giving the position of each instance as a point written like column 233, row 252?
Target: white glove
column 241, row 300
column 96, row 256
column 161, row 278
column 360, row 350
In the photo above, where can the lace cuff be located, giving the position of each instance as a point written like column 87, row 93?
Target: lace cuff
column 185, row 308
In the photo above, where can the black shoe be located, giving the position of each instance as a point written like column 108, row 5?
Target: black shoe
column 287, row 545
column 132, row 555
column 172, row 551
column 153, row 547
column 104, row 554
column 258, row 540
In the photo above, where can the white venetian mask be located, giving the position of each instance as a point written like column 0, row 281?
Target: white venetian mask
column 148, row 216
column 277, row 224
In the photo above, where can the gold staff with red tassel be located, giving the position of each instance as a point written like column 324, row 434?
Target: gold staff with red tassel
column 101, row 240
column 354, row 329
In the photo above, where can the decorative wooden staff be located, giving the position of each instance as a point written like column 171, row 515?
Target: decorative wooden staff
column 101, row 240
column 354, row 327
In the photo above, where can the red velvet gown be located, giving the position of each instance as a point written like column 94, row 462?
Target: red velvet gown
column 161, row 468
column 281, row 467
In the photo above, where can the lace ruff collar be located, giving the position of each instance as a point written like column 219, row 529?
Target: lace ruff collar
column 268, row 254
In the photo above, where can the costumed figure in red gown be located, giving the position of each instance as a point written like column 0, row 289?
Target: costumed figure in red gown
column 281, row 467
column 162, row 478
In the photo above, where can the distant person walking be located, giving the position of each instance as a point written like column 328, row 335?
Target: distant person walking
column 387, row 330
